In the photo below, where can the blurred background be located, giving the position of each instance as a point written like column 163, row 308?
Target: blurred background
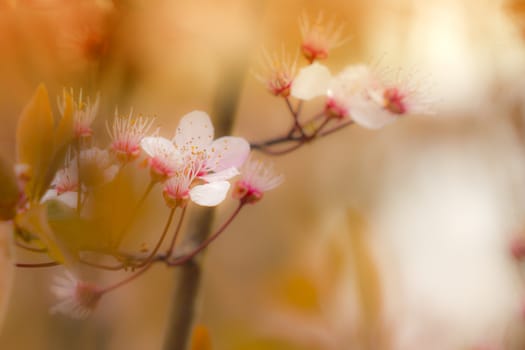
column 389, row 239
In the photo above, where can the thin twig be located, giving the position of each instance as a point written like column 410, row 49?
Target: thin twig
column 208, row 240
column 32, row 265
column 126, row 280
column 336, row 128
column 151, row 257
column 295, row 115
column 79, row 179
column 283, row 151
column 175, row 235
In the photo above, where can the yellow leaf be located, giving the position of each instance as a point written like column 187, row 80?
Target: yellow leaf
column 63, row 135
column 64, row 130
column 34, row 136
column 368, row 282
column 73, row 232
column 35, row 221
column 8, row 192
column 300, row 290
column 200, row 339
column 6, row 266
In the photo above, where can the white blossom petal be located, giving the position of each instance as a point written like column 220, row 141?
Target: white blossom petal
column 50, row 194
column 227, row 152
column 312, row 81
column 369, row 114
column 222, row 175
column 372, row 118
column 68, row 198
column 195, row 130
column 157, row 146
column 210, row 195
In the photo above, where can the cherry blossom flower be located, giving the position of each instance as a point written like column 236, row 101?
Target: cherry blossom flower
column 66, row 180
column 65, row 185
column 96, row 168
column 361, row 94
column 84, row 112
column 256, row 179
column 278, row 72
column 194, row 156
column 126, row 135
column 222, row 157
column 319, row 37
column 76, row 299
column 163, row 158
column 205, row 160
column 182, row 187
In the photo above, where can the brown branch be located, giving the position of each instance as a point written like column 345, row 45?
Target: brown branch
column 188, row 276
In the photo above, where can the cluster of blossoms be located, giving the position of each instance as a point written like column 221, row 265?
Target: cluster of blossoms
column 358, row 94
column 192, row 166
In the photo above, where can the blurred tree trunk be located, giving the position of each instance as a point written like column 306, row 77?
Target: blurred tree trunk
column 188, row 276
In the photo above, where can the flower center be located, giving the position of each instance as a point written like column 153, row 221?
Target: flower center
column 394, row 101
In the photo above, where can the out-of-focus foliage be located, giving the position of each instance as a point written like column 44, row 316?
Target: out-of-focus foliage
column 8, row 191
column 6, row 266
column 40, row 145
column 201, row 338
column 35, row 221
column 34, row 137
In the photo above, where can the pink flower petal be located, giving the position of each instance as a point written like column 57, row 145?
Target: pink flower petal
column 195, row 130
column 227, row 152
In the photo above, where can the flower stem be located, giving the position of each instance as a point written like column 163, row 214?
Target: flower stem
column 295, row 115
column 151, row 257
column 336, row 128
column 275, row 141
column 282, row 151
column 79, row 179
column 177, row 230
column 208, row 240
column 147, row 263
column 126, row 280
